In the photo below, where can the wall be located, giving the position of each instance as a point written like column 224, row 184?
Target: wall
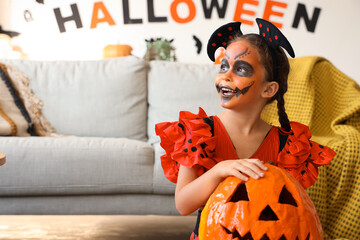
column 79, row 29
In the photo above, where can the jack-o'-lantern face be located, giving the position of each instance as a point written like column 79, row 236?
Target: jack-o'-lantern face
column 275, row 207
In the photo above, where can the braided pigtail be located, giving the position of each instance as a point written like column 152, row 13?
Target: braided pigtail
column 283, row 117
column 282, row 78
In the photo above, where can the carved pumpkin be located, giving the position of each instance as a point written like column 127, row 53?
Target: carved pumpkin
column 275, row 207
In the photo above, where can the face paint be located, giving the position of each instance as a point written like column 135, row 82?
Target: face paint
column 225, row 66
column 241, row 74
column 243, row 69
column 227, row 92
column 243, row 54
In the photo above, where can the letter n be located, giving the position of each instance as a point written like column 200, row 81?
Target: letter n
column 75, row 17
column 302, row 13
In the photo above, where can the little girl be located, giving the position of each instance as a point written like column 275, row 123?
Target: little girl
column 202, row 150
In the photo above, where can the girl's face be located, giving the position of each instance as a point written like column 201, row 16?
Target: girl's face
column 241, row 75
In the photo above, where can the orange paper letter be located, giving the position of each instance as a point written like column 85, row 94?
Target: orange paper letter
column 269, row 11
column 175, row 15
column 239, row 11
column 95, row 16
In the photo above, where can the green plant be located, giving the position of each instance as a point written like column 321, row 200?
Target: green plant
column 160, row 49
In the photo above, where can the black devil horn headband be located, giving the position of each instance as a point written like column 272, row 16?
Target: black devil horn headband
column 268, row 31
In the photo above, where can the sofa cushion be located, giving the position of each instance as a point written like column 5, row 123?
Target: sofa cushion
column 161, row 184
column 173, row 87
column 105, row 98
column 75, row 165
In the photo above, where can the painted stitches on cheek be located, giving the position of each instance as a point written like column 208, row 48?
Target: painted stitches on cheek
column 227, row 93
column 244, row 90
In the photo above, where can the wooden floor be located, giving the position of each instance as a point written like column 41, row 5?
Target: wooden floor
column 102, row 227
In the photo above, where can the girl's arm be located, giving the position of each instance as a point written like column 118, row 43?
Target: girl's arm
column 192, row 191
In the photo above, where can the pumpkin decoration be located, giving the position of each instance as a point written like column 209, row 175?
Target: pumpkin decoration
column 117, row 50
column 275, row 207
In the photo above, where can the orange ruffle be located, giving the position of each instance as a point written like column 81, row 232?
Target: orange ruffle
column 188, row 142
column 301, row 157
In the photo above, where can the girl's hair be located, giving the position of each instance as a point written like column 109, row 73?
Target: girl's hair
column 280, row 74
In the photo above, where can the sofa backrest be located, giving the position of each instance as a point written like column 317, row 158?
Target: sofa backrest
column 174, row 87
column 91, row 98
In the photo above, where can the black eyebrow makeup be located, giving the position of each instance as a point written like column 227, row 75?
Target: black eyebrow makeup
column 243, row 54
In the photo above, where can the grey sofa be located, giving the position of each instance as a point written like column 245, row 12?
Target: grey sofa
column 108, row 161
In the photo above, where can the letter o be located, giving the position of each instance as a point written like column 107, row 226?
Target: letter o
column 175, row 15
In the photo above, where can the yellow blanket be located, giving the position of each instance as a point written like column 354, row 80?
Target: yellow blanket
column 328, row 101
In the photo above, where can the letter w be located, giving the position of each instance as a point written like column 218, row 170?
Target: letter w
column 214, row 3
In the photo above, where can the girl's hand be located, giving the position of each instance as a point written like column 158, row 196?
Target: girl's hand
column 240, row 168
column 190, row 185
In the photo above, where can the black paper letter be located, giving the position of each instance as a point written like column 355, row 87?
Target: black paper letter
column 75, row 17
column 214, row 3
column 127, row 19
column 151, row 13
column 302, row 13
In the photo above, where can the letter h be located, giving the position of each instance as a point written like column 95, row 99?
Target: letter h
column 75, row 17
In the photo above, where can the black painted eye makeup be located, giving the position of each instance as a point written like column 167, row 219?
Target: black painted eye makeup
column 224, row 66
column 243, row 69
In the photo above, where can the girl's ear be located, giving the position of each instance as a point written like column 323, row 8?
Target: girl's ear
column 270, row 89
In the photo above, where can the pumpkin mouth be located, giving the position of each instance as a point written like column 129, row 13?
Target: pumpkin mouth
column 248, row 236
column 236, row 234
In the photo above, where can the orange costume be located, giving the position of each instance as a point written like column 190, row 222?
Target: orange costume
column 199, row 141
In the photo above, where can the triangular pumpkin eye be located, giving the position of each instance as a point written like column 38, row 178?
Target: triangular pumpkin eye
column 240, row 194
column 286, row 197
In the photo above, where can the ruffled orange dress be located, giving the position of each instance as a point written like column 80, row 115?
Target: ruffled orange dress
column 199, row 141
